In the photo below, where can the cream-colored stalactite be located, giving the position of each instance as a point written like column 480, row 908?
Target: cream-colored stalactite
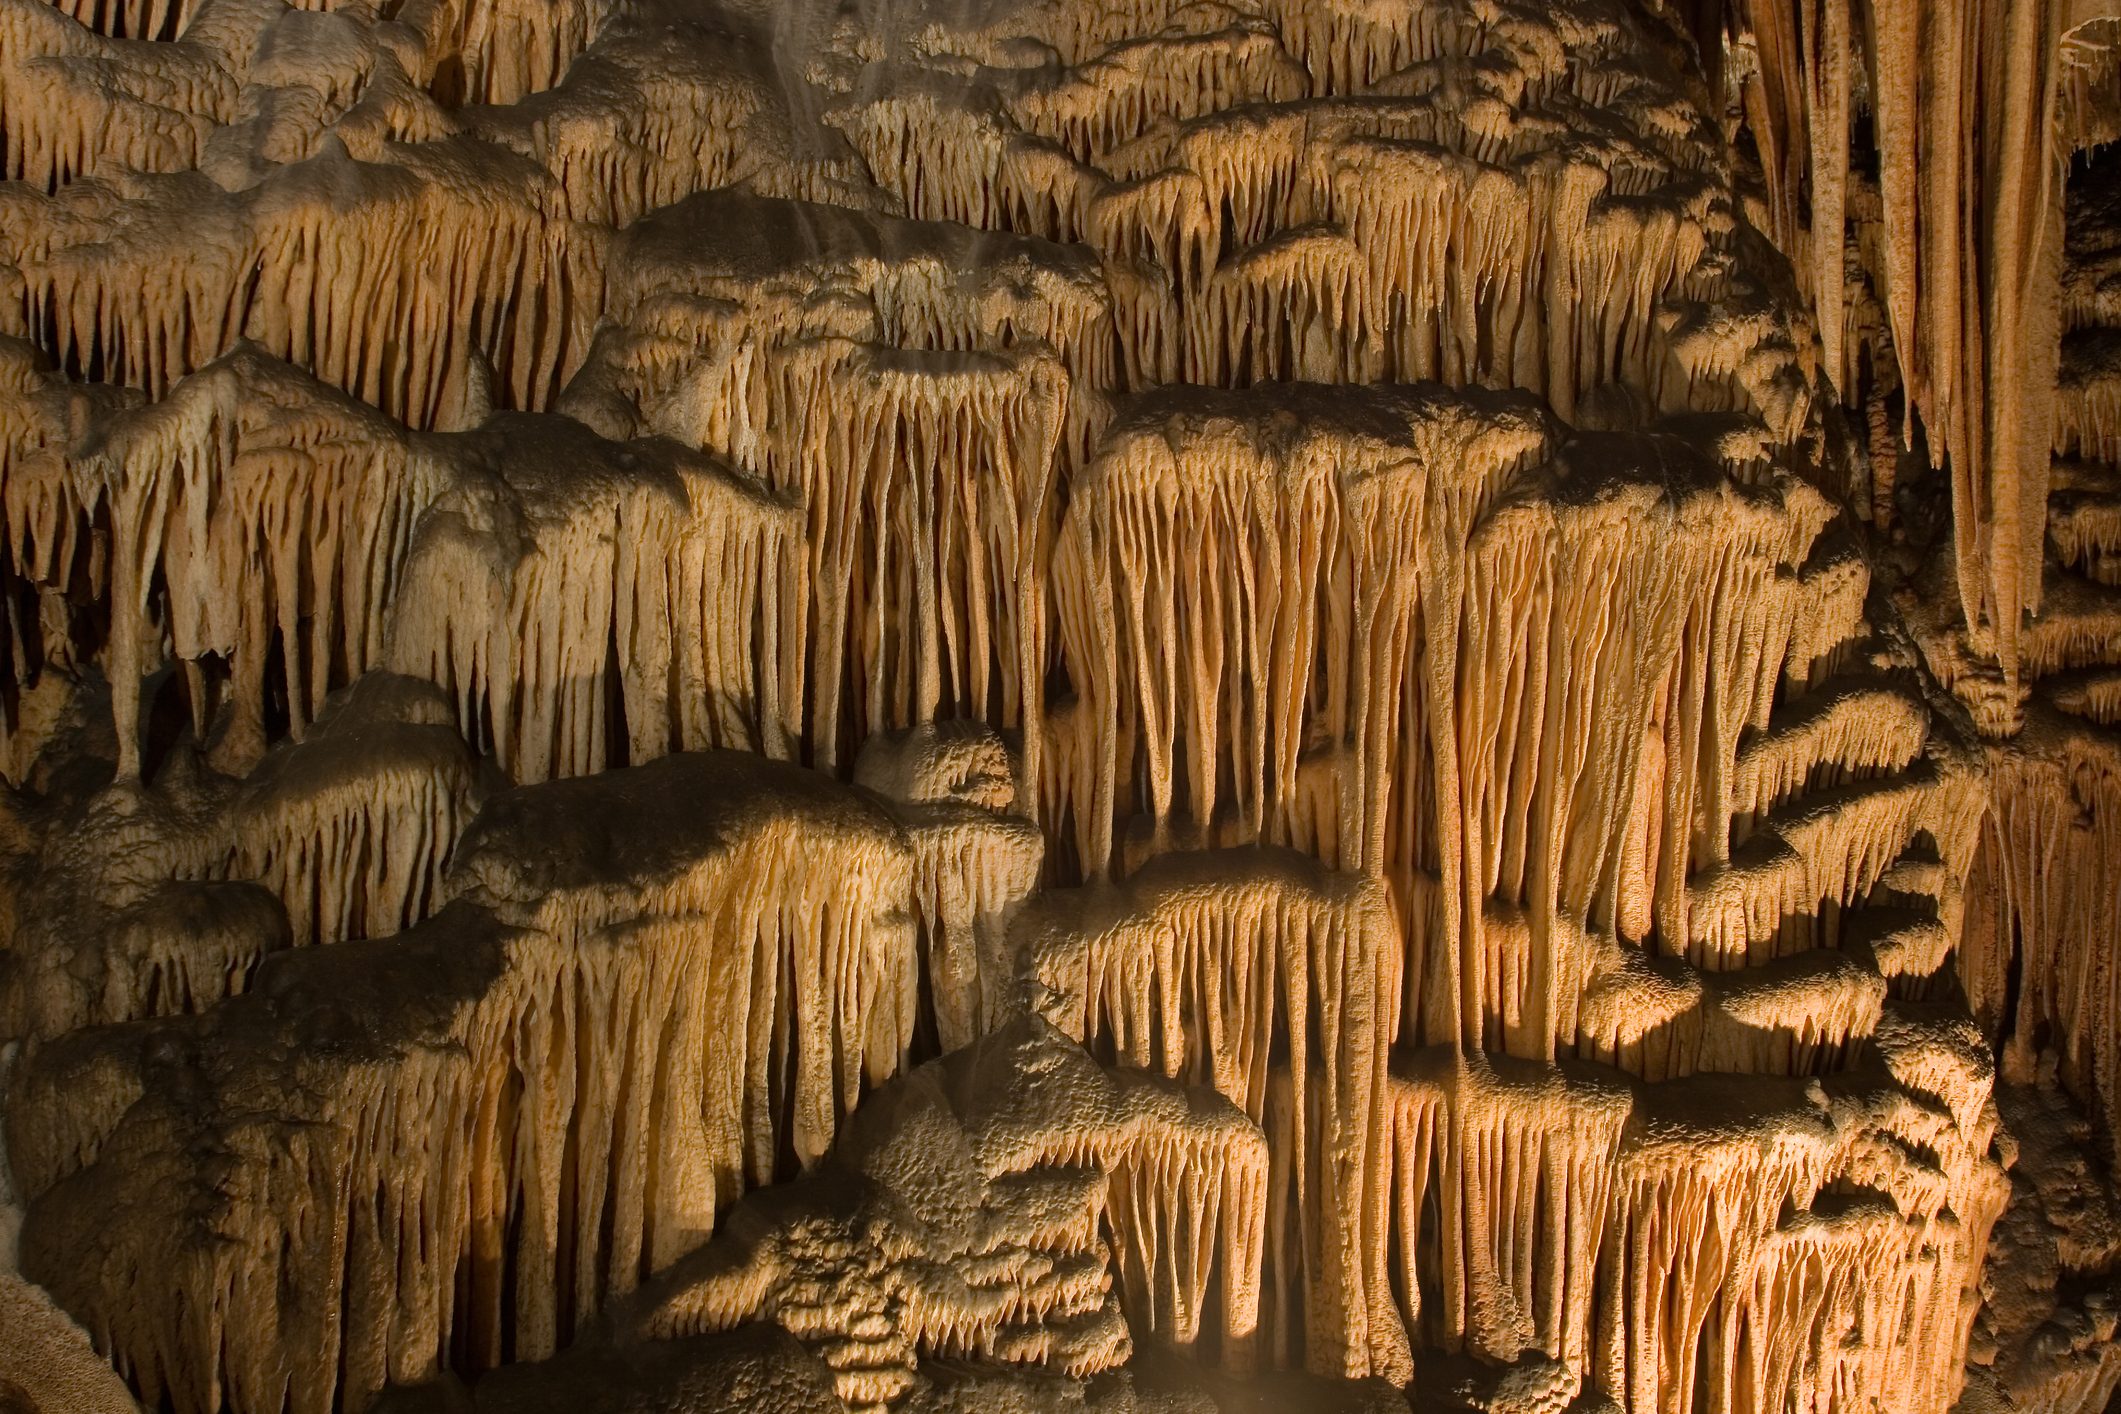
column 1233, row 579
column 77, row 105
column 1968, row 105
column 665, row 586
column 977, row 859
column 750, row 977
column 1500, row 1181
column 1140, row 85
column 1351, row 47
column 927, row 506
column 972, row 870
column 991, row 1206
column 251, row 510
column 1204, row 968
column 1798, row 106
column 385, row 1204
column 1634, row 610
column 353, row 827
column 1823, row 737
column 1849, row 1302
column 923, row 423
column 384, row 281
column 1689, row 1211
column 2038, row 958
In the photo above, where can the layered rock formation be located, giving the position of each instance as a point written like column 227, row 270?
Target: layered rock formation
column 1157, row 706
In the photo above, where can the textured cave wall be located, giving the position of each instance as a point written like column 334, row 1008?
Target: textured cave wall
column 1125, row 705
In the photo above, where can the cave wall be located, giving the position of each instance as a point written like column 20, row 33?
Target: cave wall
column 1032, row 704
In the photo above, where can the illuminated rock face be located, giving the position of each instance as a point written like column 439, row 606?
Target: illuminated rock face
column 1023, row 705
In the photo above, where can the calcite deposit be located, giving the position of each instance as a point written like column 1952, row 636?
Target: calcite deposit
column 1127, row 706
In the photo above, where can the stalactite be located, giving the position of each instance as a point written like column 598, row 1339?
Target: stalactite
column 51, row 548
column 588, row 603
column 1692, row 1204
column 654, row 112
column 1236, row 580
column 250, row 511
column 76, row 105
column 1136, row 86
column 1504, row 820
column 165, row 900
column 516, row 1121
column 351, row 828
column 804, row 989
column 1211, row 967
column 1616, row 764
column 384, row 280
column 929, row 501
column 2038, row 957
column 976, row 860
column 1014, row 1265
column 1501, row 1177
column 1967, row 109
column 2087, row 399
column 382, row 1201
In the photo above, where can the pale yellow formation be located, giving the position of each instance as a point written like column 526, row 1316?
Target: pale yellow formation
column 2044, row 911
column 217, row 500
column 976, row 860
column 387, row 280
column 352, row 827
column 916, row 414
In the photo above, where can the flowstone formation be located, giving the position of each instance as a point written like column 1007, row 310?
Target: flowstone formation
column 1146, row 707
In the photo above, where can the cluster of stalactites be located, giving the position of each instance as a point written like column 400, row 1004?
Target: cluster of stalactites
column 251, row 514
column 631, row 1056
column 77, row 105
column 353, row 827
column 928, row 486
column 390, row 281
column 922, row 416
column 1683, row 1249
column 656, row 608
column 976, row 860
column 1431, row 228
column 992, row 1207
column 1244, row 585
column 2038, row 959
column 1599, row 715
column 1612, row 700
column 383, row 1207
column 46, row 549
column 656, row 112
column 1971, row 112
column 1276, row 984
column 165, row 901
column 766, row 971
column 1500, row 1185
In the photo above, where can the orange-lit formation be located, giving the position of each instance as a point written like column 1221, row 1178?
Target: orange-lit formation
column 1113, row 705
